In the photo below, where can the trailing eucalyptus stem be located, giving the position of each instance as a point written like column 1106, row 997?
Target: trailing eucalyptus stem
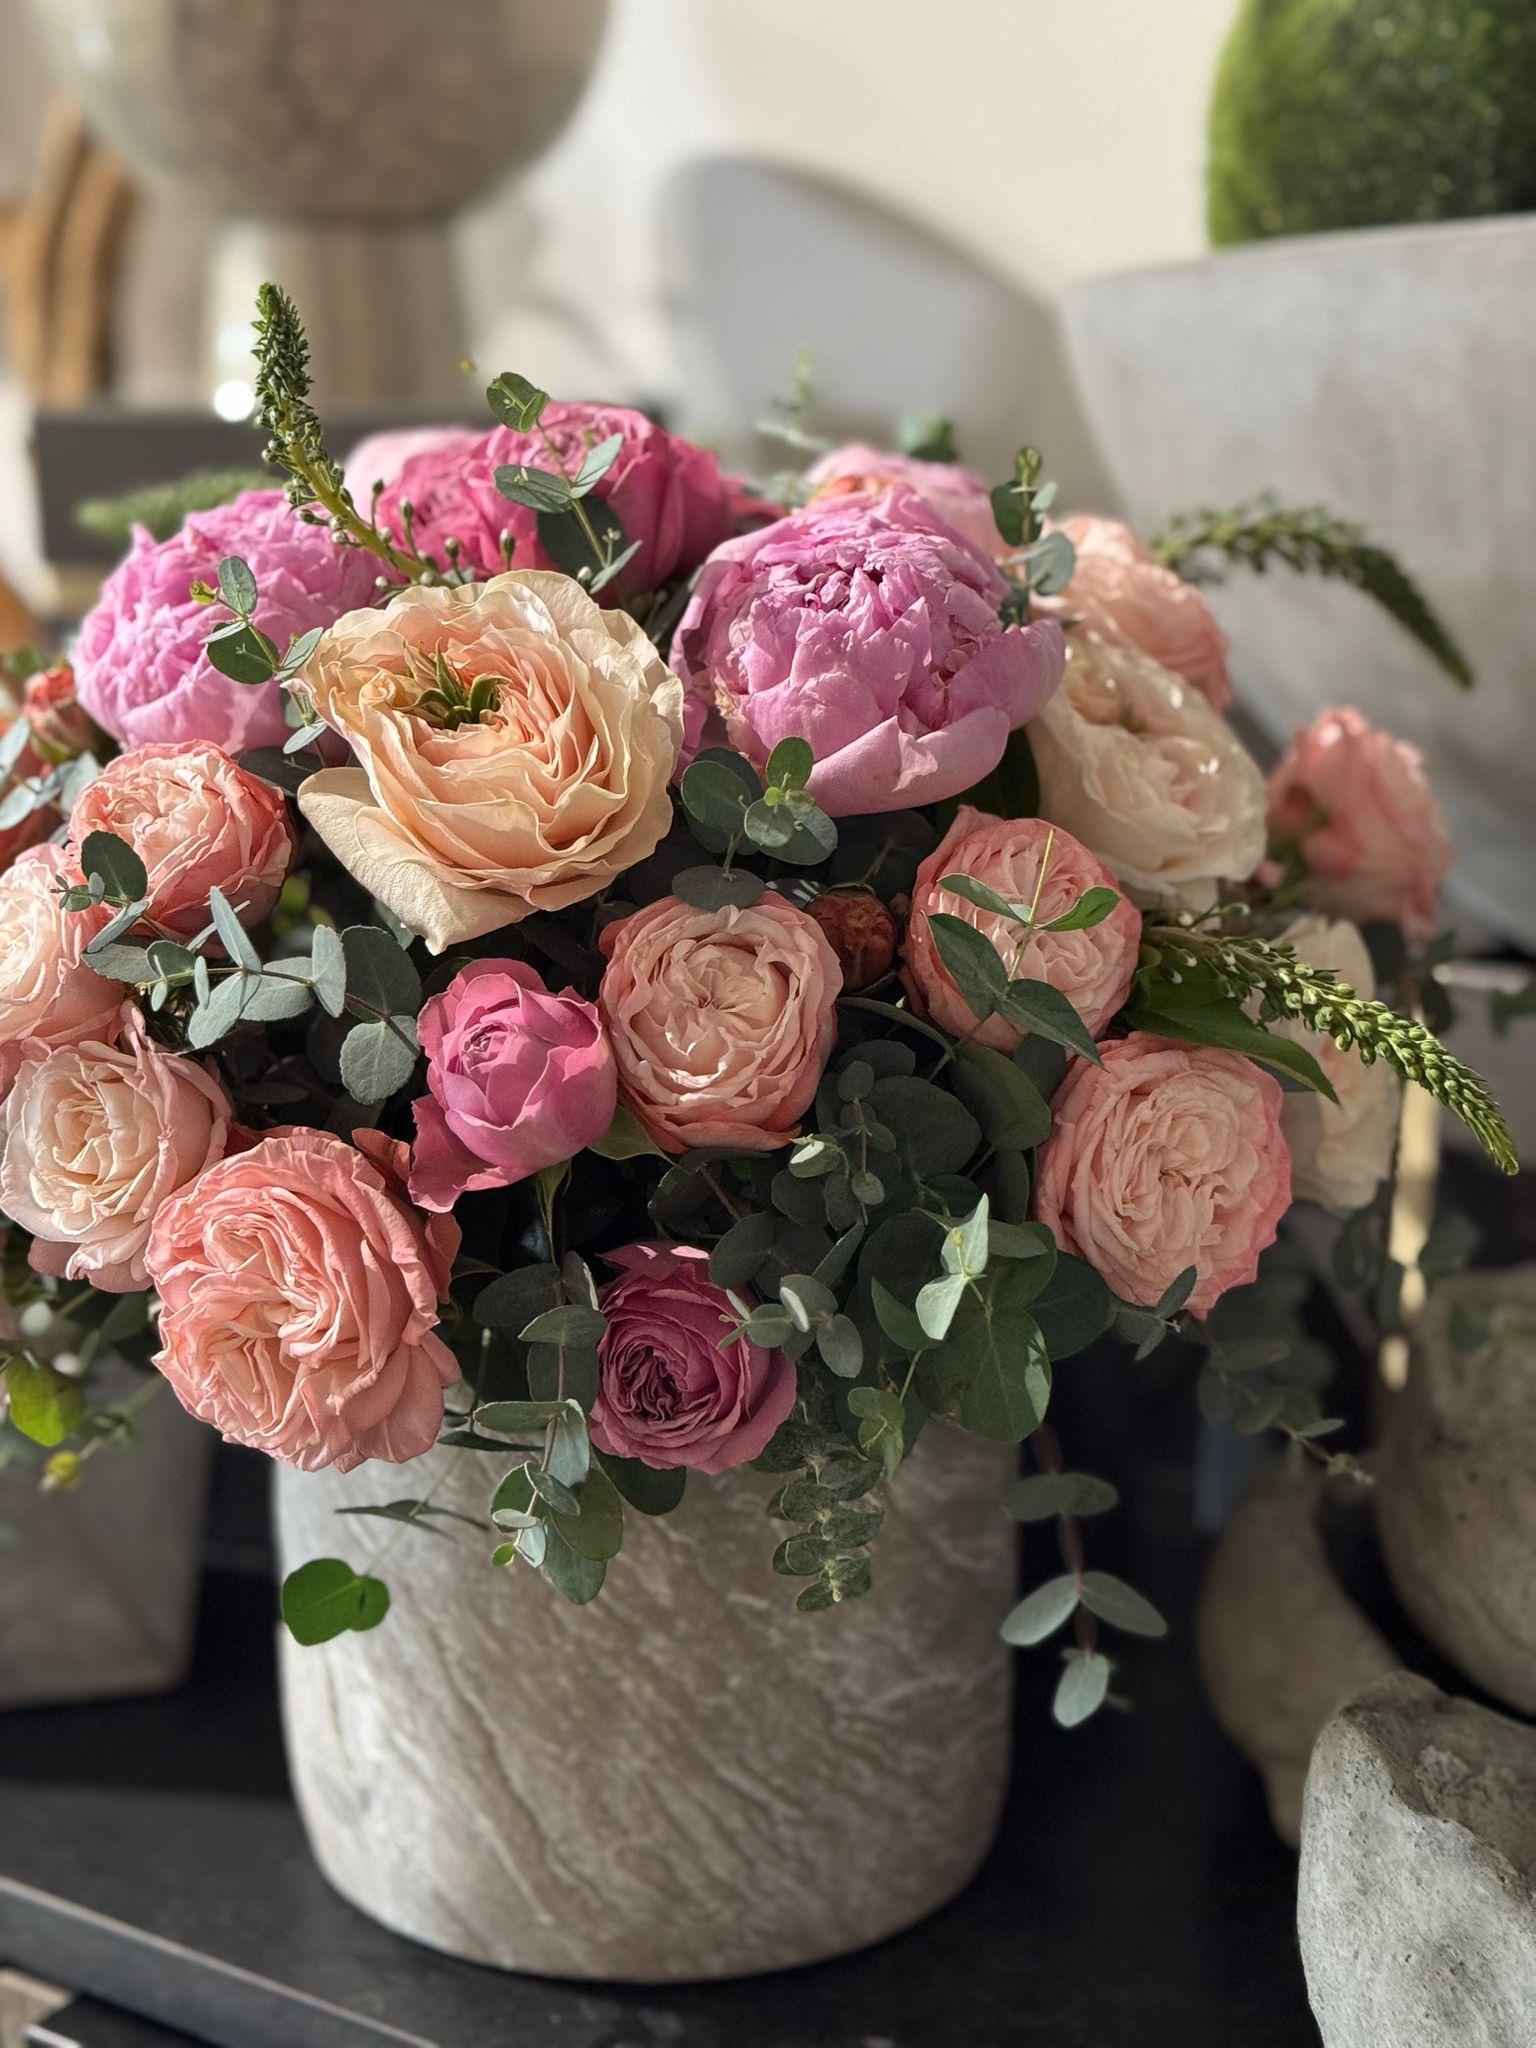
column 1200, row 546
column 1245, row 965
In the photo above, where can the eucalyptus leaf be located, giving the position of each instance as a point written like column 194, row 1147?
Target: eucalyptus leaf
column 647, row 1488
column 376, row 1060
column 1081, row 1688
column 379, row 971
column 328, row 970
column 124, row 877
column 326, row 1597
column 1112, row 1600
column 718, row 888
column 1045, row 1495
column 1041, row 1613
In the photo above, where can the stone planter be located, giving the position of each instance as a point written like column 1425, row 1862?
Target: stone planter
column 336, row 139
column 683, row 1779
column 1385, row 373
column 98, row 1588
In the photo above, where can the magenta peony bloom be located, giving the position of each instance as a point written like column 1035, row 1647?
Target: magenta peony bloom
column 667, row 494
column 668, row 1393
column 870, row 629
column 520, row 1079
column 957, row 494
column 140, row 668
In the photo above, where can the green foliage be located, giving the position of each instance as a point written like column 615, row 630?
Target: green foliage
column 326, row 1597
column 1202, row 545
column 162, row 507
column 1357, row 113
column 42, row 1403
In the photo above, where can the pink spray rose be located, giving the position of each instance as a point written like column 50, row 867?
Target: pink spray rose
column 668, row 495
column 869, row 628
column 957, row 494
column 140, row 667
column 520, row 1079
column 49, row 994
column 668, row 1393
column 1168, row 1156
column 1355, row 803
column 1120, row 589
column 94, row 1139
column 720, row 1020
column 300, row 1297
column 51, row 706
column 1092, row 968
column 198, row 821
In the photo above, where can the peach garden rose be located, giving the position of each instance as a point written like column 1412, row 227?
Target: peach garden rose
column 720, row 1020
column 1092, row 968
column 300, row 1294
column 1120, row 589
column 94, row 1139
column 1165, row 1157
column 49, row 994
column 553, row 787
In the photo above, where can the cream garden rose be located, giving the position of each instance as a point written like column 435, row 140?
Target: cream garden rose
column 93, row 1140
column 1340, row 1151
column 463, row 823
column 1139, row 767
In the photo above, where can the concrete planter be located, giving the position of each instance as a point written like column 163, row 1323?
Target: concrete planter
column 1385, row 373
column 683, row 1779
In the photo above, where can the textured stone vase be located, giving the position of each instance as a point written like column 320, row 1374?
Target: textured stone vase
column 683, row 1779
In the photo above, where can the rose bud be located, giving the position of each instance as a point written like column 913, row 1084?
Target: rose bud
column 861, row 932
column 61, row 727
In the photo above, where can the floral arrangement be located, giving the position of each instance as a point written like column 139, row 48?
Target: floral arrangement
column 530, row 946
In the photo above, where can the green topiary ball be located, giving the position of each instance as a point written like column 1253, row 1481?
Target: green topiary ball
column 1357, row 113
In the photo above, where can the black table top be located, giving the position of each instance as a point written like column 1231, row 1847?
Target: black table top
column 150, row 1855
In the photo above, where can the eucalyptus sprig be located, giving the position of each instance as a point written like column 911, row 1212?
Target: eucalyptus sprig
column 1243, row 965
column 1201, row 546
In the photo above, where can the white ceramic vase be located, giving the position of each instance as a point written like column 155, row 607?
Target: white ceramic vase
column 1387, row 374
column 683, row 1779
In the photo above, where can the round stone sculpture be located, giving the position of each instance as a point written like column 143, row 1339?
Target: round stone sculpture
column 1456, row 1503
column 683, row 1779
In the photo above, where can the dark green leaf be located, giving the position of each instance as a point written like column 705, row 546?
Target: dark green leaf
column 508, row 1302
column 934, row 1133
column 326, row 1597
column 1044, row 1012
column 579, row 1578
column 379, row 971
column 790, row 764
column 569, row 1323
column 1076, row 1308
column 648, row 1489
column 597, row 1529
column 717, row 888
column 540, row 490
column 515, row 402
column 1091, row 908
column 1223, row 1023
column 123, row 875
column 241, row 653
column 1045, row 1495
column 974, row 964
column 1000, row 1095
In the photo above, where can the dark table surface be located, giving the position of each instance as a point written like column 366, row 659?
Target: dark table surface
column 150, row 1855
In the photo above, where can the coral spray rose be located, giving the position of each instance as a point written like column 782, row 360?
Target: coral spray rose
column 666, row 494
column 1120, row 589
column 300, row 1294
column 519, row 1079
column 868, row 628
column 141, row 665
column 199, row 822
column 51, row 706
column 94, row 1140
column 1356, row 805
column 513, row 745
column 720, row 1020
column 1092, row 968
column 1165, row 1157
column 1137, row 765
column 671, row 1391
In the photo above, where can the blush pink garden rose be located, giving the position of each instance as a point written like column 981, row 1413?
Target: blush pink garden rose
column 1092, row 968
column 140, row 666
column 1120, row 589
column 1168, row 1156
column 668, row 495
column 519, row 1079
column 94, row 1139
column 198, row 821
column 300, row 1294
column 1356, row 805
column 720, row 1020
column 867, row 627
column 957, row 494
column 1341, row 1151
column 462, row 826
column 49, row 996
column 1137, row 765
column 669, row 1392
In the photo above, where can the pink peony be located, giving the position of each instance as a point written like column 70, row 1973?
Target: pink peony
column 49, row 994
column 300, row 1298
column 670, row 1392
column 379, row 458
column 1092, row 968
column 520, row 1079
column 720, row 1020
column 1121, row 590
column 198, row 821
column 1356, row 805
column 668, row 495
column 1168, row 1156
column 957, row 494
column 140, row 667
column 94, row 1140
column 870, row 629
